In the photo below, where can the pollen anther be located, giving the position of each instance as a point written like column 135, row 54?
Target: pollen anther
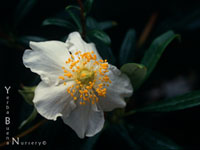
column 89, row 75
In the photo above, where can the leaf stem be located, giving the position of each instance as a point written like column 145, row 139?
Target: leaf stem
column 147, row 29
column 82, row 19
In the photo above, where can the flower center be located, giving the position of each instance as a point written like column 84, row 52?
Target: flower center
column 85, row 76
column 89, row 75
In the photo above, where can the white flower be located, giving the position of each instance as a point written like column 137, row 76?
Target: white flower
column 77, row 84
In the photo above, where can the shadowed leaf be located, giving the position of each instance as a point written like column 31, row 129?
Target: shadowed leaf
column 32, row 116
column 172, row 104
column 76, row 19
column 26, row 39
column 136, row 73
column 153, row 54
column 23, row 8
column 106, row 25
column 58, row 22
column 102, row 36
column 88, row 6
column 28, row 94
column 151, row 140
column 127, row 47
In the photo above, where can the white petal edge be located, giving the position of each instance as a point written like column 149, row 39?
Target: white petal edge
column 85, row 120
column 47, row 59
column 53, row 101
column 116, row 92
column 76, row 43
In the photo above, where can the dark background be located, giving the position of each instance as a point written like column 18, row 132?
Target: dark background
column 178, row 68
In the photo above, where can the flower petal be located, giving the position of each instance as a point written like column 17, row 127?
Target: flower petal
column 53, row 101
column 76, row 43
column 96, row 122
column 116, row 92
column 85, row 120
column 46, row 59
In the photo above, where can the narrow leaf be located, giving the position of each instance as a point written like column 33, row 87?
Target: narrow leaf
column 153, row 54
column 26, row 39
column 28, row 94
column 23, row 8
column 151, row 140
column 71, row 7
column 74, row 16
column 88, row 6
column 128, row 47
column 102, row 36
column 58, row 22
column 178, row 103
column 106, row 25
column 123, row 132
column 29, row 119
column 91, row 23
column 136, row 73
column 90, row 142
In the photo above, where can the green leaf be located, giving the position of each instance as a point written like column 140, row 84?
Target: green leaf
column 172, row 104
column 32, row 116
column 106, row 25
column 72, row 7
column 23, row 8
column 123, row 132
column 128, row 46
column 153, row 54
column 151, row 140
column 88, row 6
column 90, row 142
column 136, row 73
column 58, row 22
column 91, row 23
column 74, row 16
column 26, row 39
column 102, row 36
column 28, row 94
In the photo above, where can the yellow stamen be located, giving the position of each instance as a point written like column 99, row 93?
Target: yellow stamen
column 89, row 75
column 61, row 77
